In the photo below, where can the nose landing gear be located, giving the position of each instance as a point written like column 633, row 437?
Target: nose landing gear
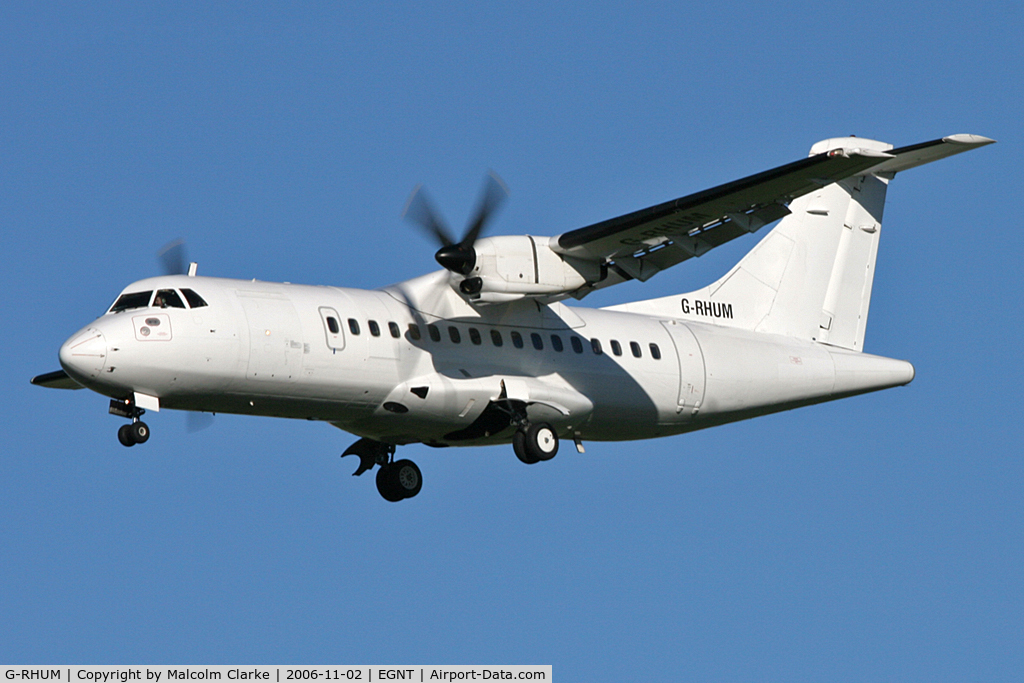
column 137, row 431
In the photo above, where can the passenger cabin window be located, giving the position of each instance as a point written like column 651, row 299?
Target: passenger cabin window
column 635, row 348
column 374, row 327
column 616, row 348
column 655, row 352
column 556, row 343
column 395, row 331
column 453, row 334
column 595, row 346
column 538, row 343
column 474, row 336
column 517, row 340
column 577, row 344
column 131, row 300
column 414, row 332
column 496, row 338
column 193, row 299
column 332, row 324
column 353, row 326
column 435, row 334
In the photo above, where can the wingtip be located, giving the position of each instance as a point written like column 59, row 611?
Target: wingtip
column 968, row 139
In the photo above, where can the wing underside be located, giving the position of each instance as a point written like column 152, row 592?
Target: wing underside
column 56, row 380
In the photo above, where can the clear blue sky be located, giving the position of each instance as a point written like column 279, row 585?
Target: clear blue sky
column 876, row 538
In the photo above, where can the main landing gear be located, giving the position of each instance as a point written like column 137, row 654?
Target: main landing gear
column 399, row 480
column 396, row 479
column 535, row 442
column 532, row 441
column 137, row 431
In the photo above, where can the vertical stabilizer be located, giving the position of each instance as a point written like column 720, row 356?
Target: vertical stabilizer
column 811, row 276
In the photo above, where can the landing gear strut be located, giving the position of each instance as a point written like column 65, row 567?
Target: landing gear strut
column 532, row 442
column 396, row 480
column 137, row 431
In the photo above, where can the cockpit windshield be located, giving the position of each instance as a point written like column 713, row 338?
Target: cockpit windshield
column 131, row 300
column 165, row 298
column 193, row 299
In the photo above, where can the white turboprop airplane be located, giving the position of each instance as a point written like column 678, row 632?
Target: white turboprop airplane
column 483, row 352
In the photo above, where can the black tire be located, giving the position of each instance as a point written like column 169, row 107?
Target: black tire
column 519, row 446
column 139, row 432
column 387, row 484
column 124, row 435
column 407, row 478
column 537, row 442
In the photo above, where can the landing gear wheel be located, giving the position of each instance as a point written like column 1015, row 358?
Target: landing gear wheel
column 535, row 443
column 124, row 435
column 399, row 480
column 519, row 446
column 386, row 484
column 408, row 477
column 139, row 432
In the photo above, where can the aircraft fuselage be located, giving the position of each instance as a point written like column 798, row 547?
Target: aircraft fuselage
column 378, row 366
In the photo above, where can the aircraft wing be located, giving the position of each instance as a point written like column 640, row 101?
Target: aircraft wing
column 643, row 243
column 56, row 380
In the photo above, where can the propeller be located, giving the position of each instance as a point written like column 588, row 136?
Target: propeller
column 174, row 257
column 195, row 422
column 458, row 257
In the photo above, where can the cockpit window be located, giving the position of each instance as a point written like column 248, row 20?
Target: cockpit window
column 167, row 298
column 131, row 300
column 193, row 299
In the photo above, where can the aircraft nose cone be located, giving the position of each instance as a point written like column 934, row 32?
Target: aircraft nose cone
column 84, row 355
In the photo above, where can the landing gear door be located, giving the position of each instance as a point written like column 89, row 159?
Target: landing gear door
column 691, row 368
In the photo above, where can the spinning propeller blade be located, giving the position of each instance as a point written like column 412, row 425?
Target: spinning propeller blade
column 420, row 211
column 458, row 257
column 195, row 422
column 174, row 257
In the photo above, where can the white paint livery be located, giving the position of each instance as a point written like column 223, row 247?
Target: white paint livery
column 491, row 356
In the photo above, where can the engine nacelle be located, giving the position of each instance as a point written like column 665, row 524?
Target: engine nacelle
column 511, row 267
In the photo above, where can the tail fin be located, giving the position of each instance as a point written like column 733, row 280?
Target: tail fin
column 811, row 276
